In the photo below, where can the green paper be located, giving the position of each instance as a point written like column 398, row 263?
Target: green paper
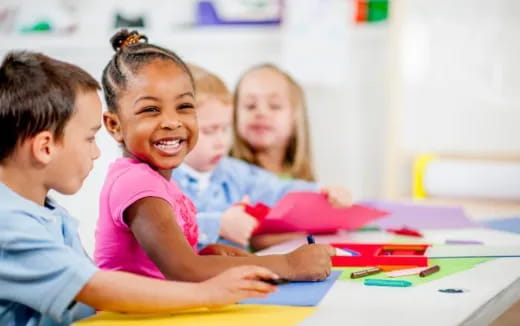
column 448, row 266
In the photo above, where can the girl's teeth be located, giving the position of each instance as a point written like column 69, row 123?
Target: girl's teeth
column 170, row 144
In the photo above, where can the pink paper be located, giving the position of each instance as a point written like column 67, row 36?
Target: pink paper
column 312, row 213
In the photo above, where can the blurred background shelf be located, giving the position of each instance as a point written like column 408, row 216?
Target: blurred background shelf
column 201, row 36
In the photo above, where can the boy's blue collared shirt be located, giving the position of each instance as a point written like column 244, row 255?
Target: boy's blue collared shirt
column 230, row 181
column 42, row 263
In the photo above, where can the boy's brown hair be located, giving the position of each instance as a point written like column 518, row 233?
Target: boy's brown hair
column 37, row 93
column 207, row 84
column 298, row 158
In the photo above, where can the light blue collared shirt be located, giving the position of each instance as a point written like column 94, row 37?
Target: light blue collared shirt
column 42, row 263
column 230, row 181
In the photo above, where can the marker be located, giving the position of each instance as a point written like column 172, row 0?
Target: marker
column 277, row 281
column 310, row 239
column 395, row 283
column 464, row 242
column 368, row 228
column 430, row 270
column 452, row 290
column 365, row 272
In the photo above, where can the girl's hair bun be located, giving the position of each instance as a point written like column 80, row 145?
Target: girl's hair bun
column 124, row 38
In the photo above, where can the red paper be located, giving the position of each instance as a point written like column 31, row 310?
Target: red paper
column 312, row 213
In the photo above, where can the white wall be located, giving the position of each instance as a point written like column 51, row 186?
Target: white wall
column 456, row 81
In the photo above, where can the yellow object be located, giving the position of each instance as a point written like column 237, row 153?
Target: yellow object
column 419, row 168
column 238, row 314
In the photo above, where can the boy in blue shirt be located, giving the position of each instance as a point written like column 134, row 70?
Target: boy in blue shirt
column 49, row 114
column 218, row 184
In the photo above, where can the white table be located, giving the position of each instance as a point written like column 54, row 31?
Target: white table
column 492, row 288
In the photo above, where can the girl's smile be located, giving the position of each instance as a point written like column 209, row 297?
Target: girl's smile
column 156, row 121
column 170, row 145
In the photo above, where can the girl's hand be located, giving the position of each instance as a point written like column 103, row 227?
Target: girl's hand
column 224, row 250
column 238, row 283
column 310, row 262
column 338, row 196
column 237, row 225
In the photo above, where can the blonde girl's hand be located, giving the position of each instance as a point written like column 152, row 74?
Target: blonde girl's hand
column 238, row 283
column 338, row 196
column 236, row 225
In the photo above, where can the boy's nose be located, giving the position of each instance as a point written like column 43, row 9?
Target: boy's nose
column 97, row 152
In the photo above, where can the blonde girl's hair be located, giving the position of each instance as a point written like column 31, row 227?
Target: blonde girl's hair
column 298, row 158
column 207, row 84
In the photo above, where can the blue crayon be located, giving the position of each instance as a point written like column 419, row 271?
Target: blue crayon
column 395, row 283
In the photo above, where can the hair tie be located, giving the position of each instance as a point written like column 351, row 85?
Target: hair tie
column 132, row 39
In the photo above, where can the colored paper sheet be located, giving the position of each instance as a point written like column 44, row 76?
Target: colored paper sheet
column 311, row 212
column 511, row 224
column 253, row 315
column 298, row 293
column 421, row 216
column 448, row 266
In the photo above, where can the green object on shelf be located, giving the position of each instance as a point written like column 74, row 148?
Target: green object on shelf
column 40, row 26
column 377, row 10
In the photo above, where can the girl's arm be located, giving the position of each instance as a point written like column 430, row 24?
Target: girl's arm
column 154, row 225
column 262, row 241
column 125, row 292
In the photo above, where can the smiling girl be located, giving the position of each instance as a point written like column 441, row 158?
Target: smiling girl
column 147, row 225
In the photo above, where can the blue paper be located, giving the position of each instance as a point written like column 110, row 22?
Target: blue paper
column 298, row 293
column 511, row 224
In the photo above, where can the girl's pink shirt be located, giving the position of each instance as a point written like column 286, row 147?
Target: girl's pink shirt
column 127, row 181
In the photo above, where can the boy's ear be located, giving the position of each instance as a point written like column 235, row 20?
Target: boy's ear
column 111, row 122
column 43, row 146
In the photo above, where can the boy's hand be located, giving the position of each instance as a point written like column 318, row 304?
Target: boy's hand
column 338, row 196
column 237, row 226
column 224, row 250
column 310, row 262
column 238, row 283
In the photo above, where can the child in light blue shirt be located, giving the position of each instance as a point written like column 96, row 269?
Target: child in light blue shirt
column 231, row 182
column 43, row 265
column 216, row 183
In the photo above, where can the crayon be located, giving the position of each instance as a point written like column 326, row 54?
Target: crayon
column 429, row 271
column 365, row 272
